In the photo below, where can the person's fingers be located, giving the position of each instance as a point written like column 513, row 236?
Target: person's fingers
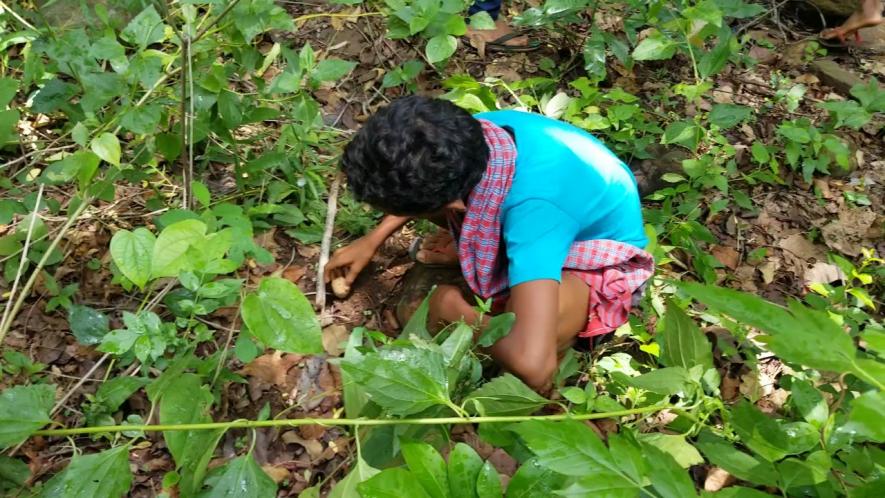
column 352, row 272
column 433, row 257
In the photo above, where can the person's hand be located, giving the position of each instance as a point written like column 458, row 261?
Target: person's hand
column 350, row 260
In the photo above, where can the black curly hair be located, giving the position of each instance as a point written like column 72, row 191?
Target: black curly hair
column 415, row 156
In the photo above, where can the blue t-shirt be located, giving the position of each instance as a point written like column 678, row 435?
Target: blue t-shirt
column 568, row 186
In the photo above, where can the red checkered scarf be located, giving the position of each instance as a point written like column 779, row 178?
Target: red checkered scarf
column 613, row 270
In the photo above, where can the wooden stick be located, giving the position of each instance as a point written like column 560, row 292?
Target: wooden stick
column 326, row 245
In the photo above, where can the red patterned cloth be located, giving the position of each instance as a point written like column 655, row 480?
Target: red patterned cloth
column 613, row 270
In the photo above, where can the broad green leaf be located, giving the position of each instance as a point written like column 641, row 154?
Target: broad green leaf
column 870, row 95
column 457, row 344
column 534, row 480
column 114, row 392
column 488, row 483
column 603, row 484
column 668, row 478
column 627, row 454
column 355, row 397
column 170, row 255
column 792, row 132
column 332, row 69
column 440, row 48
column 281, row 317
column 346, row 488
column 107, row 147
column 806, row 478
column 567, row 447
column 497, row 328
column 23, row 410
column 684, row 133
column 482, row 20
column 683, row 344
column 743, row 466
column 201, row 193
column 504, row 395
column 142, row 120
column 463, row 470
column 81, row 162
column 809, row 402
column 727, row 115
column 766, row 437
column 229, row 109
column 670, row 380
column 8, row 121
column 132, row 253
column 760, row 152
column 14, row 473
column 8, row 89
column 865, row 418
column 104, row 474
column 713, row 61
column 800, row 335
column 417, row 324
column 145, row 29
column 674, row 445
column 243, row 478
column 402, row 379
column 392, row 483
column 737, row 492
column 654, row 47
column 188, row 401
column 428, row 467
column 87, row 324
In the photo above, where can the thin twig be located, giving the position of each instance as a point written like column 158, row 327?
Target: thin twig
column 218, row 19
column 16, row 16
column 230, row 336
column 357, row 422
column 326, row 244
column 21, row 266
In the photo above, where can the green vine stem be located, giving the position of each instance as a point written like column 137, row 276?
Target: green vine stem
column 355, row 422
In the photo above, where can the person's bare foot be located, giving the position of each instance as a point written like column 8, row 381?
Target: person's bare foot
column 868, row 14
column 438, row 249
column 502, row 29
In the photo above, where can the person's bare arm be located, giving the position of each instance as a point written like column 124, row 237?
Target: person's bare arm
column 350, row 260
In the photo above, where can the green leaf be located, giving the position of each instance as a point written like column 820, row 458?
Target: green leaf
column 417, row 325
column 170, row 250
column 142, row 120
column 281, row 317
column 684, row 133
column 107, row 147
column 187, row 401
column 87, row 324
column 392, row 483
column 457, row 344
column 793, row 132
column 727, row 115
column 766, row 437
column 567, row 447
column 13, row 474
column 132, row 253
column 463, row 471
column 760, row 152
column 440, row 48
column 674, row 445
column 114, row 392
column 798, row 334
column 229, row 109
column 504, row 395
column 743, row 466
column 428, row 467
column 488, row 483
column 104, row 474
column 870, row 95
column 667, row 477
column 332, row 69
column 737, row 492
column 601, row 484
column 809, row 402
column 80, row 162
column 403, row 380
column 482, row 20
column 655, row 47
column 8, row 89
column 145, row 29
column 865, row 418
column 534, row 480
column 670, row 380
column 346, row 488
column 243, row 478
column 498, row 328
column 713, row 61
column 201, row 193
column 23, row 410
column 683, row 344
column 8, row 120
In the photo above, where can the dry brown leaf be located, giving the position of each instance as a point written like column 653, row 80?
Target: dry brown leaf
column 730, row 388
column 278, row 474
column 855, row 229
column 807, row 79
column 823, row 273
column 313, row 447
column 717, row 479
column 271, row 368
column 726, row 255
column 334, row 337
column 767, row 270
column 294, row 273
